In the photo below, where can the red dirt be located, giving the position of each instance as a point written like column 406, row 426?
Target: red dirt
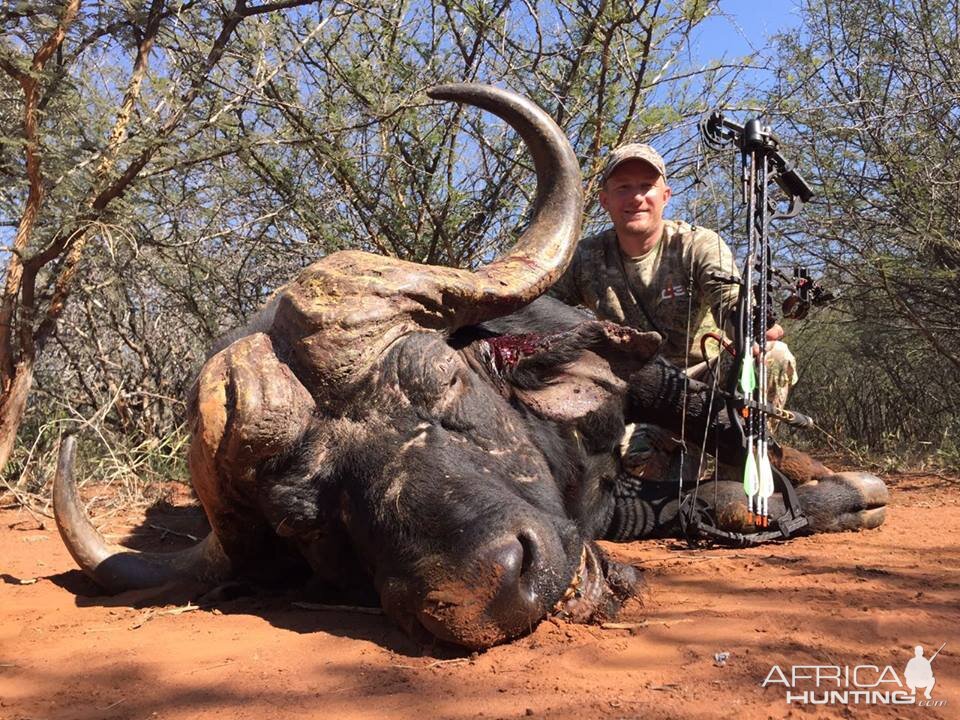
column 849, row 599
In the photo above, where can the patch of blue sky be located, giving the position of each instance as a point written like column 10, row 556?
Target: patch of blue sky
column 740, row 28
column 737, row 39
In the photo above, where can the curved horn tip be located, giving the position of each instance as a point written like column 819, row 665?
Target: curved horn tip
column 443, row 91
column 115, row 568
column 541, row 254
column 471, row 93
column 68, row 449
column 84, row 542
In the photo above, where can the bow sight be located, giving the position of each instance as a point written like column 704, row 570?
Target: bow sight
column 761, row 166
column 804, row 293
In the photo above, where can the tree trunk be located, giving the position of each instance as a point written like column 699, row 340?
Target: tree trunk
column 13, row 403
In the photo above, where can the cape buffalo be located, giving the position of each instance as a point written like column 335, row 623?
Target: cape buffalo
column 429, row 433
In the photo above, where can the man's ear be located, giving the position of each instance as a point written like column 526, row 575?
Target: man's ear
column 603, row 199
column 667, row 193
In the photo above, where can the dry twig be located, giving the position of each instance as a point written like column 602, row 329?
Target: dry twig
column 338, row 608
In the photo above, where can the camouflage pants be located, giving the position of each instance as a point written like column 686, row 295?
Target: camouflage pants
column 650, row 452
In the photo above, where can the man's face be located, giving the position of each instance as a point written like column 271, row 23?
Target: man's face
column 634, row 196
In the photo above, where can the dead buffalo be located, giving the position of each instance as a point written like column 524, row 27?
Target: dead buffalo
column 420, row 432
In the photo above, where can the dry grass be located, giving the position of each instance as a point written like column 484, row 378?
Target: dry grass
column 127, row 473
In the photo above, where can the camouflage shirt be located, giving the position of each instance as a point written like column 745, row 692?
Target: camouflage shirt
column 681, row 264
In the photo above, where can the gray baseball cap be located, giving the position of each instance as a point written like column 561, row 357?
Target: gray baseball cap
column 633, row 151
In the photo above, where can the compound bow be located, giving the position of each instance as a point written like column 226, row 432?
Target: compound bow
column 745, row 391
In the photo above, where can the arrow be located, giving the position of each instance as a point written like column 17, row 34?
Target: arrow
column 765, row 490
column 748, row 377
column 751, row 468
column 751, row 478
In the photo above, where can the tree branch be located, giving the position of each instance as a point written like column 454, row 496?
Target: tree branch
column 30, row 86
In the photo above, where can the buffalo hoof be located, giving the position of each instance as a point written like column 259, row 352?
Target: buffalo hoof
column 845, row 501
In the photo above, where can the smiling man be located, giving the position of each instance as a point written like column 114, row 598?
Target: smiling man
column 647, row 271
column 653, row 273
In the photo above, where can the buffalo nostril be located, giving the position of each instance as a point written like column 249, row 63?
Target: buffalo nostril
column 508, row 561
column 501, row 595
column 530, row 545
column 516, row 562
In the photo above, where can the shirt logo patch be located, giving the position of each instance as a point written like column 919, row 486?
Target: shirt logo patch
column 673, row 291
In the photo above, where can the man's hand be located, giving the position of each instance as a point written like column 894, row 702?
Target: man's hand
column 774, row 334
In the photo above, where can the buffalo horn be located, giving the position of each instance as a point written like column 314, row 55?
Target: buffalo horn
column 342, row 312
column 116, row 568
column 543, row 251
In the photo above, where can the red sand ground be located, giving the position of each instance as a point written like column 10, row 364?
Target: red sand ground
column 850, row 599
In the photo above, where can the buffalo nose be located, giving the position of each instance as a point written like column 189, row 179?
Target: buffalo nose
column 501, row 590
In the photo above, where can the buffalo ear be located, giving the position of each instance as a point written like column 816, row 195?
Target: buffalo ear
column 575, row 390
column 623, row 350
column 626, row 349
column 567, row 375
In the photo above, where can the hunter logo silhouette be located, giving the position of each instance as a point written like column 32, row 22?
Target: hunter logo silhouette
column 919, row 672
